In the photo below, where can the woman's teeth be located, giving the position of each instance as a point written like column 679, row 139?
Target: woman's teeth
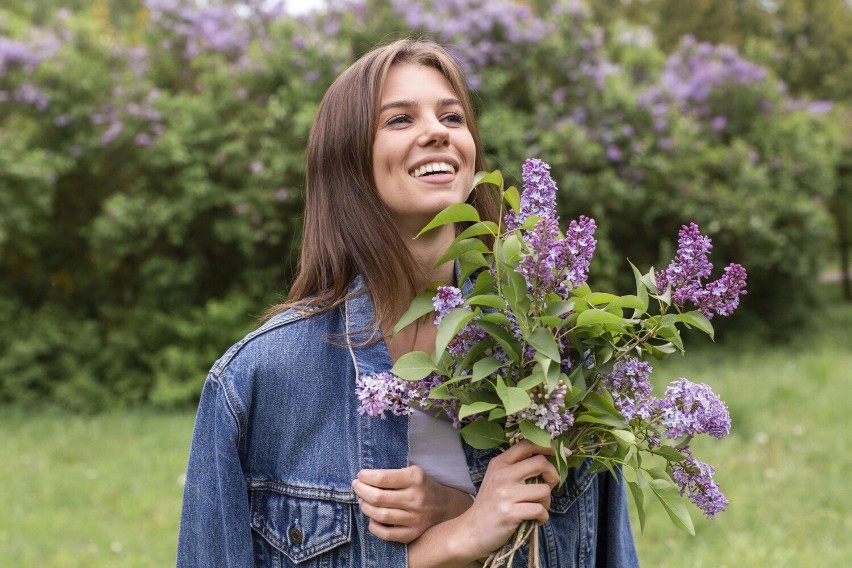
column 437, row 167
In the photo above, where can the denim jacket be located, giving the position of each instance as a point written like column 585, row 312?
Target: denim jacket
column 278, row 440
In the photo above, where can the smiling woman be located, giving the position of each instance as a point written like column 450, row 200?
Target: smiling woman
column 284, row 470
column 423, row 152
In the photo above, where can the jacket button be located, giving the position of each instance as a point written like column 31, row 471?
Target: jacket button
column 296, row 536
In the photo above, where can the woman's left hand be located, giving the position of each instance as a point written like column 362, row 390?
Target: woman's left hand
column 403, row 503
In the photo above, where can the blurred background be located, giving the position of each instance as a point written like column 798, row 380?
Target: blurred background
column 151, row 171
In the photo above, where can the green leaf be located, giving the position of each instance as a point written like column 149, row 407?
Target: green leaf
column 420, row 306
column 605, row 420
column 441, row 392
column 674, row 504
column 517, row 294
column 450, row 326
column 639, row 501
column 483, row 434
column 502, row 336
column 490, row 300
column 669, row 453
column 484, row 284
column 597, row 317
column 461, row 247
column 494, row 178
column 470, row 262
column 414, row 366
column 481, row 228
column 532, row 380
column 485, row 367
column 475, row 408
column 511, row 249
column 598, row 298
column 624, row 437
column 641, row 291
column 456, row 213
column 543, row 342
column 697, row 319
column 513, row 399
column 671, row 333
column 634, row 302
column 513, row 198
column 535, row 434
column 496, row 317
column 559, row 308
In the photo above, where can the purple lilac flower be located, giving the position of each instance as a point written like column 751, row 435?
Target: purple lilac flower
column 383, row 391
column 689, row 266
column 465, row 339
column 579, row 249
column 548, row 412
column 446, row 300
column 690, row 408
column 723, row 295
column 630, row 385
column 546, row 258
column 695, row 478
column 539, row 194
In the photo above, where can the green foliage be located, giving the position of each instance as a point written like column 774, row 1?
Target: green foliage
column 151, row 178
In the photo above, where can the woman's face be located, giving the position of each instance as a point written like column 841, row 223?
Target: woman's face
column 423, row 153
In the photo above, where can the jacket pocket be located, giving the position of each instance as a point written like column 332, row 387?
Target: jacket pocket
column 578, row 482
column 302, row 528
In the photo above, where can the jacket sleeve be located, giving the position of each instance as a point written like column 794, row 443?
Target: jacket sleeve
column 215, row 521
column 615, row 548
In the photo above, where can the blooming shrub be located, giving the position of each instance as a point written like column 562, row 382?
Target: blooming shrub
column 153, row 157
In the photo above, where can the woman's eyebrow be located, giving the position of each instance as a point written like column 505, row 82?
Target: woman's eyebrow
column 414, row 104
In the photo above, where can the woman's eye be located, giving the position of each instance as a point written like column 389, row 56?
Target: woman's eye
column 397, row 120
column 454, row 118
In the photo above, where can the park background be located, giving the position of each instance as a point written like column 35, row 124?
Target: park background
column 151, row 171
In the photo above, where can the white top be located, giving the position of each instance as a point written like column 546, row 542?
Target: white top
column 435, row 446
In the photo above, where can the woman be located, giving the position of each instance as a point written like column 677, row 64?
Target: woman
column 283, row 470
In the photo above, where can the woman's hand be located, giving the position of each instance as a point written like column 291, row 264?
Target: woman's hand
column 403, row 503
column 504, row 501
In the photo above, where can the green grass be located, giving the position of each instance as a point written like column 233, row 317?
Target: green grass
column 105, row 491
column 91, row 491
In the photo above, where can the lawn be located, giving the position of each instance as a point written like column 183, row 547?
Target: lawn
column 105, row 491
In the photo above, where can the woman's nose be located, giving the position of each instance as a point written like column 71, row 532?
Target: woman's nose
column 434, row 132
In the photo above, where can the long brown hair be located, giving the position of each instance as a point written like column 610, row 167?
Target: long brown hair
column 347, row 229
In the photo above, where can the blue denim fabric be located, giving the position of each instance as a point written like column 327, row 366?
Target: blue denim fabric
column 278, row 440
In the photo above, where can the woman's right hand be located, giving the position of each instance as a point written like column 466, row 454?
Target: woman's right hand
column 505, row 499
column 503, row 502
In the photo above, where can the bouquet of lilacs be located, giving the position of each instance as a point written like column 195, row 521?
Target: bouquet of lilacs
column 528, row 350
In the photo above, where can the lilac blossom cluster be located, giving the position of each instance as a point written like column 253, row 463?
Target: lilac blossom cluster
column 538, row 197
column 217, row 26
column 447, row 298
column 382, row 392
column 470, row 29
column 695, row 479
column 690, row 266
column 689, row 409
column 630, row 385
column 694, row 78
column 553, row 263
column 548, row 412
